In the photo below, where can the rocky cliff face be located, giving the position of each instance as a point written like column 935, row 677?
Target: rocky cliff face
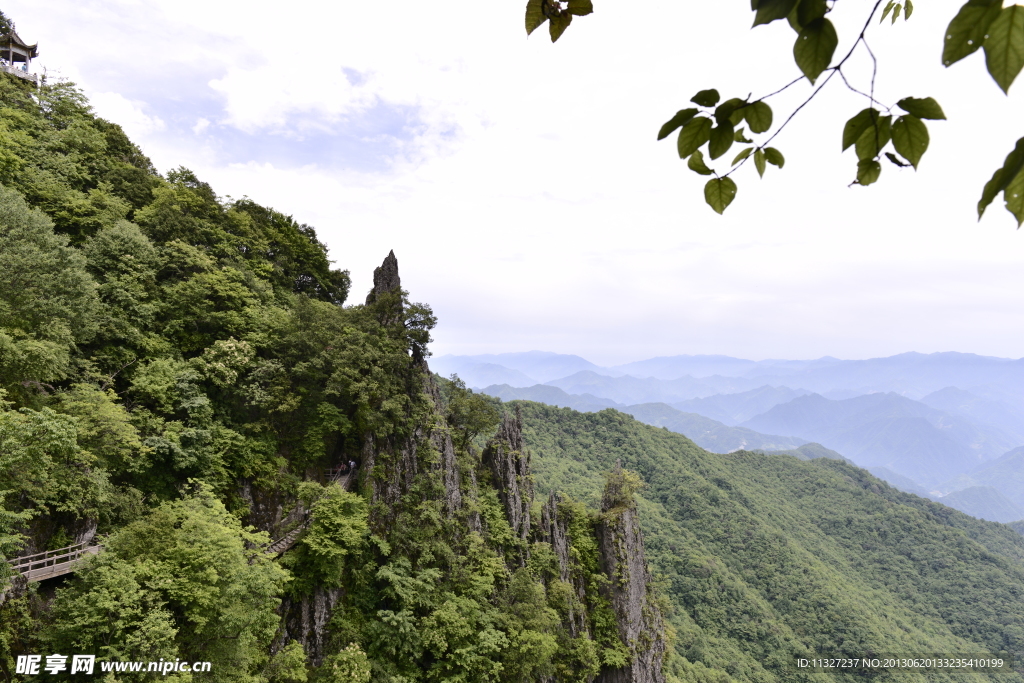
column 553, row 531
column 306, row 620
column 390, row 469
column 640, row 621
column 509, row 462
column 641, row 624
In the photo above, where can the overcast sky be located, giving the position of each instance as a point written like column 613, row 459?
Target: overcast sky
column 523, row 191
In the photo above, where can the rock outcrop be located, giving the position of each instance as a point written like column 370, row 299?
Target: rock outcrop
column 509, row 462
column 394, row 462
column 306, row 620
column 640, row 620
column 385, row 278
column 553, row 531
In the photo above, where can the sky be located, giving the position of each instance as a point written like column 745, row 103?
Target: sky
column 521, row 185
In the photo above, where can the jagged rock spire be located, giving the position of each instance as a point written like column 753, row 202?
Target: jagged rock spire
column 385, row 278
column 640, row 620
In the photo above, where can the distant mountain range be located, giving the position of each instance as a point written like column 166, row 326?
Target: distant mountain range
column 891, row 431
column 910, row 374
column 932, row 424
column 704, row 431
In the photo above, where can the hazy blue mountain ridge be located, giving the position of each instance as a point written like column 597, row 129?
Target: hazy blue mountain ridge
column 1005, row 474
column 811, row 451
column 536, row 366
column 888, row 430
column 732, row 409
column 912, row 374
column 1005, row 415
column 627, row 389
column 552, row 396
column 704, row 431
column 481, row 374
column 710, row 434
column 905, row 484
column 970, row 409
column 984, row 502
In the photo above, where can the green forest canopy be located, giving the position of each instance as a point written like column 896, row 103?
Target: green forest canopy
column 170, row 362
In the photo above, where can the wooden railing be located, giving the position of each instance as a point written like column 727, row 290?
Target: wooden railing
column 62, row 561
column 52, row 563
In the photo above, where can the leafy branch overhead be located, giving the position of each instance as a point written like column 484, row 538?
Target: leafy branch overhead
column 898, row 132
column 558, row 13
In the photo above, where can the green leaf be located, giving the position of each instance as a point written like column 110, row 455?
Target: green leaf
column 774, row 157
column 680, row 118
column 888, row 8
column 966, row 33
column 877, row 136
column 706, row 98
column 910, row 138
column 534, row 15
column 794, row 20
column 719, row 193
column 721, row 139
column 738, row 136
column 557, row 25
column 1004, row 46
column 814, row 48
column 895, row 159
column 694, row 134
column 742, row 155
column 726, row 109
column 922, row 108
column 580, row 7
column 1012, row 166
column 856, row 126
column 809, row 10
column 868, row 171
column 770, row 10
column 759, row 161
column 896, row 12
column 1014, row 197
column 696, row 163
column 759, row 116
column 908, row 9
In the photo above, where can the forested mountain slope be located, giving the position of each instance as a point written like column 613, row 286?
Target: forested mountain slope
column 765, row 556
column 180, row 375
column 179, row 380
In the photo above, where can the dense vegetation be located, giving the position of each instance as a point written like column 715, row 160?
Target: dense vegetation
column 765, row 557
column 177, row 372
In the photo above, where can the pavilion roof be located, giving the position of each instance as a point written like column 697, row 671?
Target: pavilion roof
column 14, row 39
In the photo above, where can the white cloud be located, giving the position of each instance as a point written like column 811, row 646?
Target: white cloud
column 128, row 114
column 526, row 197
column 201, row 125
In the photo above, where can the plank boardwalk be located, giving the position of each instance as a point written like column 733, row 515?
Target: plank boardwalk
column 51, row 563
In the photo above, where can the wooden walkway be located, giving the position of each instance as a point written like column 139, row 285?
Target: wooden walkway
column 51, row 563
column 343, row 479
